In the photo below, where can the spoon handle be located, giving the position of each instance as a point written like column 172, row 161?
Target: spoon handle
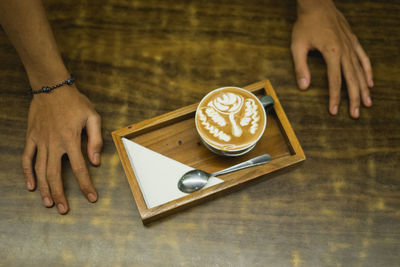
column 250, row 163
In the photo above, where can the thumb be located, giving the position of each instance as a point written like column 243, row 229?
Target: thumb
column 299, row 53
column 95, row 141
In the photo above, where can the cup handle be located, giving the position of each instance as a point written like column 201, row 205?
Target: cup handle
column 268, row 102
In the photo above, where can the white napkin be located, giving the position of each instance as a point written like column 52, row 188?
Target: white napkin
column 157, row 174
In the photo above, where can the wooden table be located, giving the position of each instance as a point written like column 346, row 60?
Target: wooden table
column 139, row 59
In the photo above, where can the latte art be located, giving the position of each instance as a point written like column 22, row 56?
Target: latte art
column 213, row 129
column 230, row 119
column 227, row 102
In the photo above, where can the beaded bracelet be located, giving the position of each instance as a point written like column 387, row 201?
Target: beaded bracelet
column 48, row 89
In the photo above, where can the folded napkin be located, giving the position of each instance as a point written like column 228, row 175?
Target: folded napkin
column 157, row 174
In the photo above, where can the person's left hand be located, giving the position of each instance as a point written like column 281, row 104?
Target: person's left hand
column 324, row 28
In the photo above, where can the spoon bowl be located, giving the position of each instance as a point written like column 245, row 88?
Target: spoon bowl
column 196, row 179
column 193, row 180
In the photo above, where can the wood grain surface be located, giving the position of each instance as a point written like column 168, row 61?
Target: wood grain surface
column 139, row 59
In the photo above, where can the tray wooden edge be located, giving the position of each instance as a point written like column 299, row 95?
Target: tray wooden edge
column 149, row 215
column 287, row 127
column 140, row 203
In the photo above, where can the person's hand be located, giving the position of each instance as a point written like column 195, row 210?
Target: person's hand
column 321, row 26
column 55, row 124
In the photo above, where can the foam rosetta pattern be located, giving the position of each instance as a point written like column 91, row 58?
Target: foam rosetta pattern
column 213, row 129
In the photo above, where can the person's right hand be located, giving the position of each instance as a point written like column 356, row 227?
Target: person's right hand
column 55, row 124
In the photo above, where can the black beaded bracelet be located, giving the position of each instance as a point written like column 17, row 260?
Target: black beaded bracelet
column 48, row 89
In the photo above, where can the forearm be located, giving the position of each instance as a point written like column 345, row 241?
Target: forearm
column 29, row 31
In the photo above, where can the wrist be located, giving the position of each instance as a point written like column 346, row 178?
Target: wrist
column 48, row 88
column 59, row 96
column 307, row 6
column 48, row 75
column 52, row 88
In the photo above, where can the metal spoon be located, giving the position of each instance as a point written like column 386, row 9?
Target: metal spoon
column 196, row 179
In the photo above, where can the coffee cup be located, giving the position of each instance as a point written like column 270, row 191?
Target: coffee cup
column 230, row 121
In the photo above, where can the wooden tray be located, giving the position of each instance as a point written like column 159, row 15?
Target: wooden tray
column 174, row 135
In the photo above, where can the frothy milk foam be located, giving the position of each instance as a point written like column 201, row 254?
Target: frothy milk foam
column 230, row 119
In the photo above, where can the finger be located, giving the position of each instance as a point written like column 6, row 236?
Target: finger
column 81, row 172
column 352, row 87
column 365, row 95
column 55, row 182
column 40, row 169
column 332, row 59
column 27, row 158
column 362, row 56
column 299, row 53
column 365, row 63
column 95, row 141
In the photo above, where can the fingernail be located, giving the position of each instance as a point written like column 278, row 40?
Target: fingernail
column 356, row 112
column 303, row 83
column 96, row 158
column 47, row 202
column 29, row 185
column 334, row 109
column 369, row 101
column 61, row 208
column 91, row 197
column 371, row 83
